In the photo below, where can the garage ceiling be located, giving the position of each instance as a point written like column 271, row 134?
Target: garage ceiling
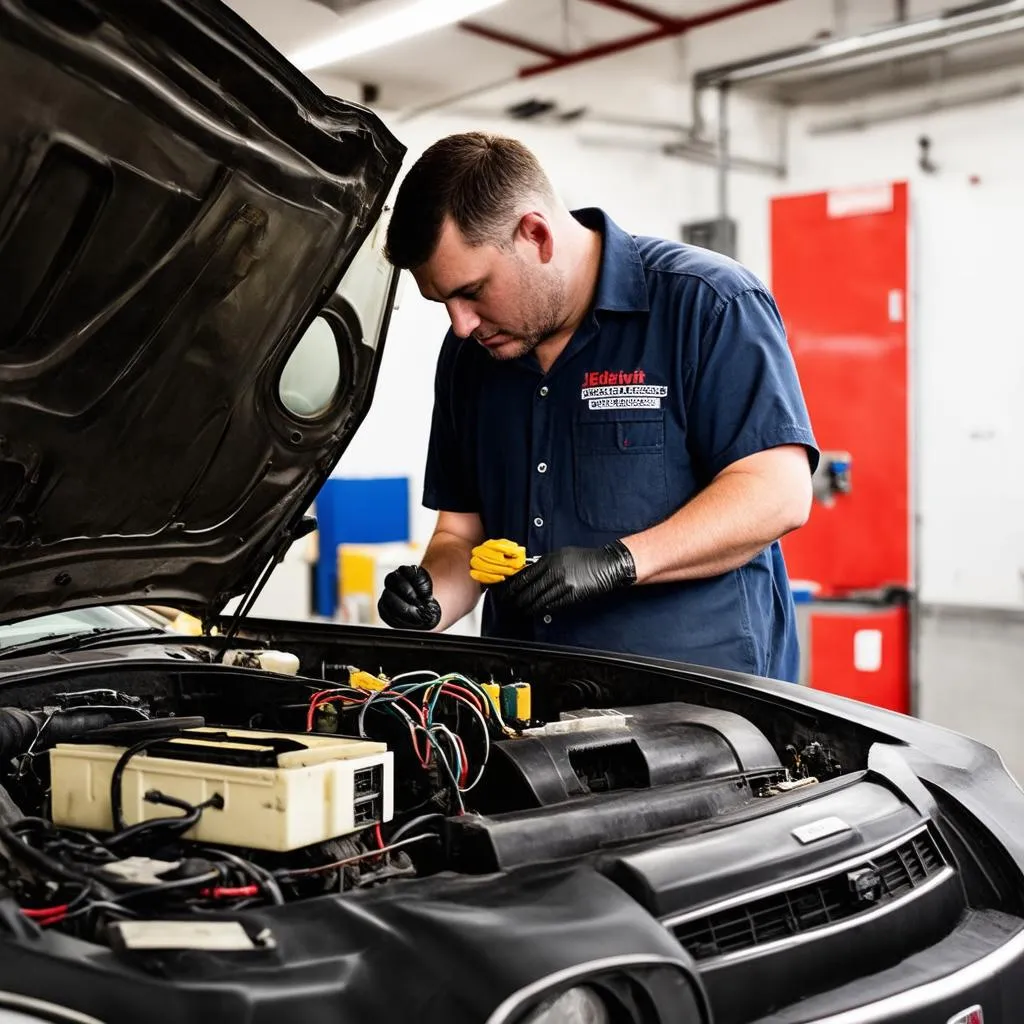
column 478, row 61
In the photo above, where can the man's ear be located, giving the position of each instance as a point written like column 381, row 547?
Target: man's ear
column 534, row 231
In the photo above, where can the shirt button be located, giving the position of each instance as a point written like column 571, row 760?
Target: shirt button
column 538, row 521
column 547, row 619
column 542, row 467
column 544, row 391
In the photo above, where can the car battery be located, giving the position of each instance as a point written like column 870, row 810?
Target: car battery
column 278, row 791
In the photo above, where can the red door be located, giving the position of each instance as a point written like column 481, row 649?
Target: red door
column 839, row 273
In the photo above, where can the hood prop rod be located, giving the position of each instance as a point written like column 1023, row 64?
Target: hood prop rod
column 305, row 526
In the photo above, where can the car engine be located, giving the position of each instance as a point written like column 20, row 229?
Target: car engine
column 122, row 806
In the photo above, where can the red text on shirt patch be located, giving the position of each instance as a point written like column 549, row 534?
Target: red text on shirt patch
column 602, row 378
column 621, row 389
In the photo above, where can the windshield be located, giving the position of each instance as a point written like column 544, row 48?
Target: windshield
column 80, row 620
column 366, row 285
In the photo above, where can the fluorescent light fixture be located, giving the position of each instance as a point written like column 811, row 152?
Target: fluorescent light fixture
column 385, row 22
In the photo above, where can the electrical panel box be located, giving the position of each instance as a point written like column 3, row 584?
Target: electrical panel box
column 280, row 791
column 718, row 235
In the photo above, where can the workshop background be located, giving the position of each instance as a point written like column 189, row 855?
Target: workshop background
column 865, row 158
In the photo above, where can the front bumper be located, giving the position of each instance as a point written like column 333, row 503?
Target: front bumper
column 979, row 964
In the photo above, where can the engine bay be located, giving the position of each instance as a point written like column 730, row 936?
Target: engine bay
column 144, row 796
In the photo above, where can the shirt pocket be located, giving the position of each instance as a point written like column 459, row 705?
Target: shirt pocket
column 620, row 473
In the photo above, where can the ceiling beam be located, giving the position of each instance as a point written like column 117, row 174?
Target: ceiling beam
column 664, row 28
column 614, row 46
column 644, row 13
column 497, row 36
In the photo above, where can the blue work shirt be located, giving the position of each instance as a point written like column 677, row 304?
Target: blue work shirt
column 680, row 368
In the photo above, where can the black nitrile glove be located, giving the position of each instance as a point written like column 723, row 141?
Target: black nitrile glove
column 408, row 600
column 567, row 576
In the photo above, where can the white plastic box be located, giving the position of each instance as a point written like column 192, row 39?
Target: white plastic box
column 314, row 794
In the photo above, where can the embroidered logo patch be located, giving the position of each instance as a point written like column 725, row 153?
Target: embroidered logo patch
column 621, row 389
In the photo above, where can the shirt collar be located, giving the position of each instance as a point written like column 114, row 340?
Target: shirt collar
column 621, row 282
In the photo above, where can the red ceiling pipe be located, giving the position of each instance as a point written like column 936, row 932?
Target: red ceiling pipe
column 664, row 20
column 497, row 36
column 666, row 28
column 614, row 46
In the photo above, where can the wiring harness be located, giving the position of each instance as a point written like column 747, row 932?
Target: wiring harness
column 433, row 708
column 80, row 881
column 63, row 876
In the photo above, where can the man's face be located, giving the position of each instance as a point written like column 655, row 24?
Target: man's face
column 507, row 298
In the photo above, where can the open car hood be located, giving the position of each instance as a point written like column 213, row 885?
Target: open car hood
column 177, row 208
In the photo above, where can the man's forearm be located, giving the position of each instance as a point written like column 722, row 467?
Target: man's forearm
column 447, row 560
column 725, row 526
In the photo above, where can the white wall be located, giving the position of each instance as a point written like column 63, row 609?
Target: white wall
column 967, row 342
column 970, row 379
column 986, row 139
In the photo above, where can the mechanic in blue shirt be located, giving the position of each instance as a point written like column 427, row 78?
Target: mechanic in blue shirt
column 625, row 407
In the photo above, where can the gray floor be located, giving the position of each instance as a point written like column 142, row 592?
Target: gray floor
column 971, row 677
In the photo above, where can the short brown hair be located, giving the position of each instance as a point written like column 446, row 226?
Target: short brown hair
column 477, row 179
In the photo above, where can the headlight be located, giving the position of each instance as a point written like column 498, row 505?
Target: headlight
column 577, row 1006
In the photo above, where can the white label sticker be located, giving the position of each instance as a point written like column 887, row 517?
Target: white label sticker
column 821, row 829
column 855, row 202
column 867, row 650
column 624, row 403
column 220, row 935
column 626, row 391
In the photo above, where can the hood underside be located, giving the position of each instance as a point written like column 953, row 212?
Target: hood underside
column 177, row 203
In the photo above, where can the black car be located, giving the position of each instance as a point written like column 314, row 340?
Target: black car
column 302, row 822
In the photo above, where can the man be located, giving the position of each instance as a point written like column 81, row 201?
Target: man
column 625, row 408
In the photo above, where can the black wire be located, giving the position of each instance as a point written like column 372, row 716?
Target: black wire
column 177, row 826
column 288, row 874
column 118, row 773
column 49, row 866
column 101, row 905
column 91, row 853
column 180, row 883
column 23, row 823
column 414, row 823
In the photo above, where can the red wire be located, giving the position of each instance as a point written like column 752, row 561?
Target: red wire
column 453, row 688
column 330, row 698
column 464, row 774
column 228, row 892
column 459, row 693
column 461, row 699
column 45, row 916
column 327, row 699
column 421, row 717
column 425, row 756
column 415, row 707
column 45, row 911
column 380, row 837
column 321, row 693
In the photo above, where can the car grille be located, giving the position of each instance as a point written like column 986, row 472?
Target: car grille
column 805, row 908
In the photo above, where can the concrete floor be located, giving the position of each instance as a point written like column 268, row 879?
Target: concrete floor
column 971, row 677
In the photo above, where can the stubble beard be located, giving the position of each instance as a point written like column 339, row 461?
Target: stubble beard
column 545, row 317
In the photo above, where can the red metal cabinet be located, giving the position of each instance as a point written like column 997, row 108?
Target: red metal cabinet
column 861, row 653
column 839, row 274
